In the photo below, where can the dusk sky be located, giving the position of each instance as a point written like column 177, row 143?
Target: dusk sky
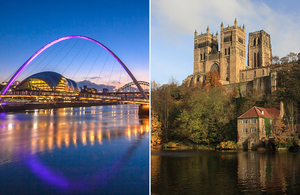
column 173, row 23
column 122, row 26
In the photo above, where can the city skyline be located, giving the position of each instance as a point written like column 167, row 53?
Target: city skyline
column 123, row 27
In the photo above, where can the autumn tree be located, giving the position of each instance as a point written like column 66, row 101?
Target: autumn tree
column 278, row 126
column 156, row 130
column 212, row 80
column 164, row 103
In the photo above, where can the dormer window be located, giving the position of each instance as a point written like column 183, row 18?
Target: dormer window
column 261, row 111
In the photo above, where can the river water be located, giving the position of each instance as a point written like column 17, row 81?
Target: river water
column 92, row 150
column 225, row 172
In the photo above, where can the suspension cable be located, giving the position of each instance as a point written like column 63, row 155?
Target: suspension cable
column 102, row 68
column 92, row 66
column 111, row 73
column 83, row 61
column 40, row 62
column 74, row 58
column 55, row 55
column 65, row 54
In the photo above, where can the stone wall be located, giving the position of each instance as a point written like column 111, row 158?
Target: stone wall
column 261, row 85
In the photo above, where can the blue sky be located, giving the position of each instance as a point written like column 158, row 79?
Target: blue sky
column 123, row 26
column 173, row 23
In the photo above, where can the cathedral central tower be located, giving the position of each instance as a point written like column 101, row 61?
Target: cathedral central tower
column 228, row 61
column 233, row 52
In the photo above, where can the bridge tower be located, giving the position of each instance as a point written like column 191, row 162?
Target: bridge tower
column 259, row 49
column 233, row 52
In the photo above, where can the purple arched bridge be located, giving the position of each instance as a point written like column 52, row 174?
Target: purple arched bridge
column 62, row 39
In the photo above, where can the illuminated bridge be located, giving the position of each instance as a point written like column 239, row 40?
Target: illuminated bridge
column 137, row 97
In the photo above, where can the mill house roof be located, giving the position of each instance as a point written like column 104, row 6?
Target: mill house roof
column 261, row 112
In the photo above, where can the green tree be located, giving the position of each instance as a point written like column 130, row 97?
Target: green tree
column 206, row 119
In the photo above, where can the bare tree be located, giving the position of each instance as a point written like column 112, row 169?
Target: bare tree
column 275, row 60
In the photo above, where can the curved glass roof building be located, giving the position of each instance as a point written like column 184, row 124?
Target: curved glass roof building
column 48, row 81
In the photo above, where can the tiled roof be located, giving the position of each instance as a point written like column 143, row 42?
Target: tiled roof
column 258, row 111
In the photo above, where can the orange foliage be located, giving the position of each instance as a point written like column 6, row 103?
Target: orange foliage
column 212, row 80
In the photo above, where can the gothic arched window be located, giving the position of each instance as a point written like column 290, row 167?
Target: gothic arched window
column 216, row 67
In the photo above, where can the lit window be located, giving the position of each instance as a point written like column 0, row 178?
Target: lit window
column 245, row 121
column 253, row 121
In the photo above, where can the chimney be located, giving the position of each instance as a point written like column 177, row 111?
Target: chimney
column 281, row 110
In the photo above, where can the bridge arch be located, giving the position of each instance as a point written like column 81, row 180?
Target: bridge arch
column 132, row 83
column 14, row 77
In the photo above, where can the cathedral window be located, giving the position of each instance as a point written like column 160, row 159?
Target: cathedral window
column 254, row 59
column 215, row 67
column 201, row 56
column 204, row 57
column 258, row 41
column 228, row 38
column 225, row 51
column 241, row 40
column 258, row 62
column 254, row 73
column 254, row 42
column 229, row 51
column 263, row 72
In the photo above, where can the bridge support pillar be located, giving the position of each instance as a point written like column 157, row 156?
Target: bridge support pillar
column 144, row 110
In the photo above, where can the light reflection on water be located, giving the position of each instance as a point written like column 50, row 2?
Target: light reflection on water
column 212, row 172
column 95, row 145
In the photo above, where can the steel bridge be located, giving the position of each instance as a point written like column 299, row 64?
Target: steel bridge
column 82, row 97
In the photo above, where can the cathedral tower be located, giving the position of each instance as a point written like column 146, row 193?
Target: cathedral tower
column 204, row 45
column 233, row 52
column 259, row 49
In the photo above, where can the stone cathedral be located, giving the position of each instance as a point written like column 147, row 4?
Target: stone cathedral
column 230, row 59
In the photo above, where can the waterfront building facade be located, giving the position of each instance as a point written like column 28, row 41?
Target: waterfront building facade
column 251, row 126
column 48, row 81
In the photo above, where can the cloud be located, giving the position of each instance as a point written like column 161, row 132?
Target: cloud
column 99, row 87
column 91, row 78
column 174, row 18
column 174, row 23
column 116, row 82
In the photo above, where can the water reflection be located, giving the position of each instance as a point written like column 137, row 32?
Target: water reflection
column 78, row 148
column 211, row 172
column 48, row 133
